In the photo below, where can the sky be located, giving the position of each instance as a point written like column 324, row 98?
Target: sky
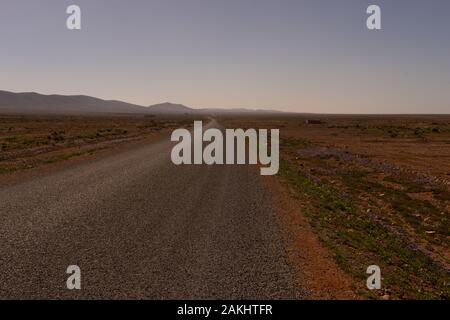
column 290, row 55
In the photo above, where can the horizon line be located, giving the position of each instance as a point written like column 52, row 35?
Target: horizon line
column 251, row 109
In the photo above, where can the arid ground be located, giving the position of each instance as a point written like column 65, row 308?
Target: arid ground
column 352, row 191
column 29, row 141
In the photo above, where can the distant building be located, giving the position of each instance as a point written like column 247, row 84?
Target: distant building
column 313, row 122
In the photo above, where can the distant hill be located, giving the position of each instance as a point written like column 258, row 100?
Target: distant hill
column 35, row 103
column 168, row 107
column 31, row 102
column 237, row 111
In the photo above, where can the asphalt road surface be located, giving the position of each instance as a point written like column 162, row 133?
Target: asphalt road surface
column 141, row 227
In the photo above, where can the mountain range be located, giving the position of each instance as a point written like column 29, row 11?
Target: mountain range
column 35, row 103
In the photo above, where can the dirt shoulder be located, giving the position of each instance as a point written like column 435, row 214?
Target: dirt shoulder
column 314, row 266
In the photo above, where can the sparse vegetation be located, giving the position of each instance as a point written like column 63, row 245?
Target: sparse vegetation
column 30, row 141
column 358, row 239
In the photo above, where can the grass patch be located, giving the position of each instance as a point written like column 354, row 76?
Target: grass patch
column 7, row 170
column 63, row 157
column 295, row 143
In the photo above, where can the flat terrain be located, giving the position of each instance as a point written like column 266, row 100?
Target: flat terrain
column 30, row 141
column 376, row 190
column 102, row 193
column 140, row 227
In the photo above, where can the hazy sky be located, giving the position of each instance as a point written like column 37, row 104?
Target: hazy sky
column 296, row 55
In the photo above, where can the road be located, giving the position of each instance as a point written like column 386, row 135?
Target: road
column 141, row 227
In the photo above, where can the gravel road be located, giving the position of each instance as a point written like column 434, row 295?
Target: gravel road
column 141, row 227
